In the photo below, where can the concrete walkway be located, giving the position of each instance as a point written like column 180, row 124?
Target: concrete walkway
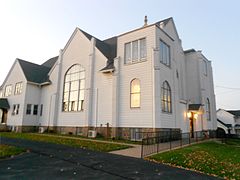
column 135, row 151
column 54, row 161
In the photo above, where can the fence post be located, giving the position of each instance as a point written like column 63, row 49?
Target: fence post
column 181, row 139
column 189, row 138
column 196, row 136
column 170, row 139
column 142, row 149
column 158, row 142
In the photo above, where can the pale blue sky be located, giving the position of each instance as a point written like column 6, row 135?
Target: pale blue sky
column 35, row 30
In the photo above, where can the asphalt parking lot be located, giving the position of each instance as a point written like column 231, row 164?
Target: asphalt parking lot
column 52, row 161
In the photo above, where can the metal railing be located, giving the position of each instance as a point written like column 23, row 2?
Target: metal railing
column 152, row 145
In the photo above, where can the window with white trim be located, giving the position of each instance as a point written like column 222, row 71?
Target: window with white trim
column 18, row 88
column 8, row 90
column 15, row 109
column 29, row 109
column 164, row 53
column 35, row 109
column 204, row 67
column 135, row 51
column 208, row 110
column 73, row 91
column 166, row 97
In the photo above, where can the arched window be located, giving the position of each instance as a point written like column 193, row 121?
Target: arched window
column 135, row 93
column 166, row 98
column 208, row 111
column 73, row 90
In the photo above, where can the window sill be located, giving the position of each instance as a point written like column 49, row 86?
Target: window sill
column 135, row 62
column 169, row 113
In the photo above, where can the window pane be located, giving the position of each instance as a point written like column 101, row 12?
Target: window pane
column 82, row 84
column 135, row 86
column 67, row 78
column 75, row 76
column 82, row 75
column 80, row 105
column 81, row 95
column 65, row 97
column 74, row 95
column 127, row 52
column 135, row 100
column 66, row 87
column 143, row 51
column 74, row 85
column 65, row 106
column 135, row 50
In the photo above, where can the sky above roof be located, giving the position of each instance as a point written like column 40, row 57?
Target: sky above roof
column 35, row 30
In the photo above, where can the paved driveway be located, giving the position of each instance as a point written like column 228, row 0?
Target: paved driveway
column 51, row 161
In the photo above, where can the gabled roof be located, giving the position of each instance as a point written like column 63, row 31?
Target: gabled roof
column 194, row 107
column 49, row 63
column 164, row 21
column 226, row 125
column 37, row 73
column 108, row 47
column 234, row 112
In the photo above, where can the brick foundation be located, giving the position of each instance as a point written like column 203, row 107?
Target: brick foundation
column 107, row 132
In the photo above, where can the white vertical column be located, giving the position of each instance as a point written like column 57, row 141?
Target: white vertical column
column 90, row 85
column 58, row 101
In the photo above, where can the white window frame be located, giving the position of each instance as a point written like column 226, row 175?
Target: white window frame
column 165, row 57
column 18, row 88
column 141, row 51
column 8, row 90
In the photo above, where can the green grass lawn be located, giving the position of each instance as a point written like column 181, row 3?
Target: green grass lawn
column 7, row 151
column 211, row 157
column 96, row 146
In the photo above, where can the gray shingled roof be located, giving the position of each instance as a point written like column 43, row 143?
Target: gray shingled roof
column 4, row 103
column 108, row 47
column 189, row 51
column 37, row 73
column 234, row 112
column 226, row 125
column 164, row 21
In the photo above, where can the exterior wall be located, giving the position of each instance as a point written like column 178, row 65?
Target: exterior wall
column 15, row 75
column 143, row 116
column 200, row 88
column 77, row 52
column 165, row 73
column 49, row 97
column 32, row 96
column 98, row 88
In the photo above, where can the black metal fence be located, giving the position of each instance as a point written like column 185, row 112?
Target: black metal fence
column 172, row 139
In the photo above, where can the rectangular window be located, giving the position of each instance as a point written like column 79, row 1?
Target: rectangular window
column 205, row 67
column 15, row 109
column 128, row 56
column 8, row 90
column 41, row 109
column 18, row 88
column 29, row 109
column 164, row 53
column 35, row 109
column 135, row 51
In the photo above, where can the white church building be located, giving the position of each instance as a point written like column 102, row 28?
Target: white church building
column 138, row 81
